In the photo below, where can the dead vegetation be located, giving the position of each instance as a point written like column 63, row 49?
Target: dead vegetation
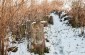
column 77, row 12
column 24, row 21
column 17, row 17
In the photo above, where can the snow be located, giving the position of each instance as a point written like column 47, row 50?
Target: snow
column 63, row 40
column 22, row 49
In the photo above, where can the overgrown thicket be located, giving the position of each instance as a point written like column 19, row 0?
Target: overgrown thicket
column 8, row 12
column 15, row 17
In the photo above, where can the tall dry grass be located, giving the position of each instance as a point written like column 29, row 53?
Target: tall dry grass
column 13, row 15
column 78, row 16
column 77, row 12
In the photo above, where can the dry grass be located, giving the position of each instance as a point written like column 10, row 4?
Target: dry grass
column 77, row 13
column 12, row 15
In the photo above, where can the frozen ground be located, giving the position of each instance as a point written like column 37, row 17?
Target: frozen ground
column 63, row 40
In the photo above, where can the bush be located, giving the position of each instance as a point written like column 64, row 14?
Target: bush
column 78, row 16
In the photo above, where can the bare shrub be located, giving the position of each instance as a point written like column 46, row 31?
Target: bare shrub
column 77, row 13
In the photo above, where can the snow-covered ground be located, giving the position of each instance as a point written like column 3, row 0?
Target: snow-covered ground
column 63, row 40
